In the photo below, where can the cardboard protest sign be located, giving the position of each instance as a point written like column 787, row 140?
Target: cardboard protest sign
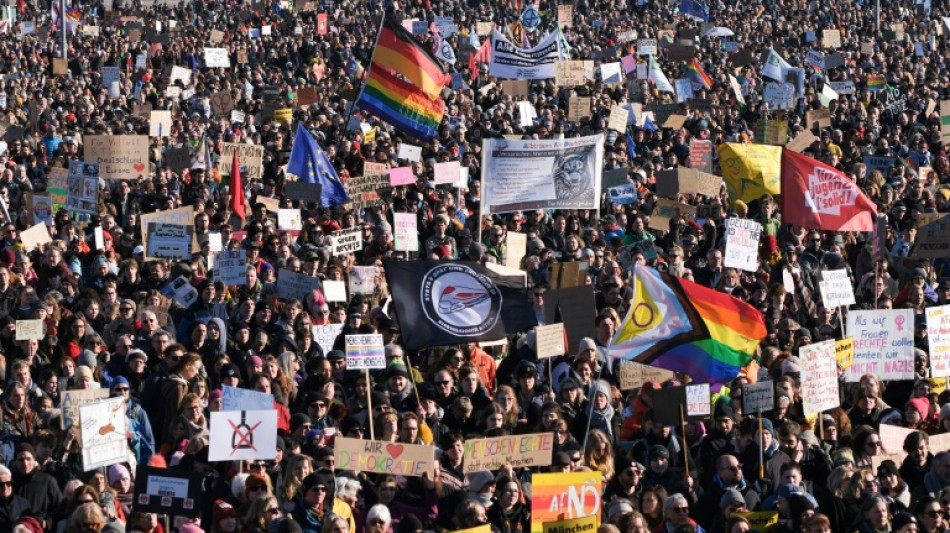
column 892, row 439
column 803, row 141
column 578, row 108
column 35, row 236
column 831, row 38
column 883, row 344
column 292, row 284
column 169, row 241
column 365, row 351
column 160, row 123
column 122, row 157
column 250, row 157
column 670, row 404
column 698, row 400
column 618, row 119
column 243, row 435
column 72, row 400
column 60, row 66
column 521, row 451
column 165, row 491
column 378, row 457
column 325, row 335
column 742, row 244
column 587, row 524
column 933, row 238
column 816, row 119
column 819, row 377
column 844, row 352
column 178, row 159
column 405, row 234
column 222, row 103
column 102, row 428
column 237, row 398
column 289, row 219
column 230, row 267
column 569, row 73
column 836, row 289
column 30, row 330
column 549, row 340
column 563, row 496
column 347, row 241
column 758, row 397
column 938, row 335
column 517, row 248
column 363, row 279
column 665, row 210
column 683, row 180
column 571, row 274
column 633, row 375
column 217, row 58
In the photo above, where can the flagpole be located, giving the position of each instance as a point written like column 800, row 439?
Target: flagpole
column 362, row 84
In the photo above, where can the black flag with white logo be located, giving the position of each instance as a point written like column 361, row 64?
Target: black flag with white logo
column 450, row 302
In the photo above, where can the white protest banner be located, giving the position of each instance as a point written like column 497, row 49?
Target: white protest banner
column 184, row 216
column 169, row 241
column 409, row 152
column 180, row 74
column 217, row 58
column 363, row 279
column 72, row 400
column 697, row 400
column 325, row 335
column 365, row 351
column 243, row 435
column 82, row 187
column 334, row 291
column 545, row 174
column 230, row 267
column 448, row 172
column 742, row 244
column 405, row 234
column 883, row 344
column 819, row 377
column 236, row 399
column 103, row 427
column 30, row 330
column 510, row 62
column 835, row 287
column 520, row 451
column 35, row 236
column 120, row 157
column 549, row 340
column 181, row 291
column 292, row 284
column 938, row 335
column 160, row 123
column 646, row 47
column 347, row 241
column 289, row 219
column 214, row 242
column 758, row 397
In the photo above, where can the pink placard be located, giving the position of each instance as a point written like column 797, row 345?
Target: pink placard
column 448, row 172
column 629, row 64
column 401, row 176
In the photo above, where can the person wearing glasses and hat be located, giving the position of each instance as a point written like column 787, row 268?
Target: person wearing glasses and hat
column 315, row 505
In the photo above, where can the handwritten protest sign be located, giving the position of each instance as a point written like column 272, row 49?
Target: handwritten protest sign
column 549, row 340
column 30, row 330
column 363, row 279
column 72, row 400
column 217, row 58
column 34, row 236
column 365, row 351
column 938, row 334
column 844, row 352
column 697, row 400
column 103, row 427
column 347, row 241
column 758, row 397
column 742, row 244
column 405, row 234
column 836, row 290
column 378, row 457
column 764, row 521
column 563, row 496
column 819, row 377
column 325, row 335
column 243, row 435
column 250, row 157
column 633, row 375
column 230, row 267
column 184, row 216
column 448, row 172
column 334, row 291
column 237, row 398
column 292, row 284
column 120, row 157
column 518, row 450
column 685, row 180
column 892, row 439
column 883, row 344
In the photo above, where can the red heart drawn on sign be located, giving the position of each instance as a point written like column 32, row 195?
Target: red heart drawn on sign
column 395, row 450
column 139, row 167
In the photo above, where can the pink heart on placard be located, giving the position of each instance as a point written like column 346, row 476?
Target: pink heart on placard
column 139, row 167
column 395, row 450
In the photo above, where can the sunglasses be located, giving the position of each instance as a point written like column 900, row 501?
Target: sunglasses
column 258, row 488
column 318, row 488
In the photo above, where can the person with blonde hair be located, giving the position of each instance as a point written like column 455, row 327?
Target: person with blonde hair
column 599, row 454
column 87, row 518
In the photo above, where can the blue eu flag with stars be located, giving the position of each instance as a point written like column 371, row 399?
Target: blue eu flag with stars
column 311, row 163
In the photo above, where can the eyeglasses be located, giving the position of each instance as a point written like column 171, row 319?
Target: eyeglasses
column 121, row 389
column 874, row 443
column 318, row 405
column 6, row 484
column 257, row 488
column 446, row 382
column 934, row 513
column 318, row 488
column 681, row 509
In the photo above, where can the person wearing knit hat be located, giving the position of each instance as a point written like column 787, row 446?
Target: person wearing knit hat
column 256, row 486
column 190, row 528
column 916, row 413
column 731, row 501
column 223, row 511
column 28, row 523
column 904, row 522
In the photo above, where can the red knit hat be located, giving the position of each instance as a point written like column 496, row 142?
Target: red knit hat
column 222, row 510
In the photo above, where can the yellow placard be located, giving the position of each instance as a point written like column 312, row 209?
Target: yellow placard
column 844, row 352
column 587, row 524
column 285, row 115
column 765, row 521
column 751, row 170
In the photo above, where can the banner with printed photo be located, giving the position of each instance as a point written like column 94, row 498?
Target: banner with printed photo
column 545, row 174
column 537, row 63
column 82, row 187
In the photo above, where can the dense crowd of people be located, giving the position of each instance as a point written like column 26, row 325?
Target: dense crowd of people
column 109, row 323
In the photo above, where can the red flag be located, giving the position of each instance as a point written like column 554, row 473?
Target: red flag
column 482, row 56
column 236, row 198
column 818, row 196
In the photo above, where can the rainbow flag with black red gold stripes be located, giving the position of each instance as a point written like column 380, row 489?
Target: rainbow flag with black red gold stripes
column 685, row 327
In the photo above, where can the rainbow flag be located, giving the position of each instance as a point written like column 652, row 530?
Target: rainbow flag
column 695, row 72
column 399, row 51
column 876, row 83
column 401, row 104
column 353, row 67
column 685, row 327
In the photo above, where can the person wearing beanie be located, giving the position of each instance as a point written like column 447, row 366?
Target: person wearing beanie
column 917, row 414
column 600, row 413
column 658, row 434
column 798, row 505
column 316, row 501
column 626, row 480
column 719, row 439
column 121, row 480
column 190, row 528
column 140, row 426
column 773, row 456
column 399, row 385
column 39, row 488
column 904, row 522
column 224, row 517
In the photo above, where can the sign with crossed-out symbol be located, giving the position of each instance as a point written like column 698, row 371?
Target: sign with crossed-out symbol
column 243, row 435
